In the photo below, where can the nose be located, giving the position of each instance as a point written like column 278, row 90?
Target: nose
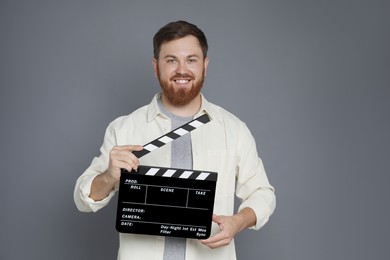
column 181, row 68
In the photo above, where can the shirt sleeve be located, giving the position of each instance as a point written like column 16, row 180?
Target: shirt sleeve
column 253, row 188
column 99, row 165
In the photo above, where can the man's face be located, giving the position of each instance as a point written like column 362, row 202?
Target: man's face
column 181, row 69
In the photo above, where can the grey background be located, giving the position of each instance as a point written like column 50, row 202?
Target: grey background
column 310, row 78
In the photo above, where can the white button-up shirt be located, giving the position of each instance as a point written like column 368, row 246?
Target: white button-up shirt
column 224, row 145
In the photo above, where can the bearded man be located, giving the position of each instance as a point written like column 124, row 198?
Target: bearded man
column 225, row 145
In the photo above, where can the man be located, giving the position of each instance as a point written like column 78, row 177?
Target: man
column 224, row 145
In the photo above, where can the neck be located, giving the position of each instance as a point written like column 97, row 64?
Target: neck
column 187, row 110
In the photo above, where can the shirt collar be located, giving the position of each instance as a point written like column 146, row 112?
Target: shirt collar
column 154, row 111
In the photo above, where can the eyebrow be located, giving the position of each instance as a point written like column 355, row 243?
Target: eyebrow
column 173, row 56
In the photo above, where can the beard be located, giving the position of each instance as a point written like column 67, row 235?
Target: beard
column 180, row 96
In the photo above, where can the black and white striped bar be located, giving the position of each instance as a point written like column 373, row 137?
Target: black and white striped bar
column 174, row 134
column 181, row 173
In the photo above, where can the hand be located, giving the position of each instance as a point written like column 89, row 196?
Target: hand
column 229, row 227
column 121, row 157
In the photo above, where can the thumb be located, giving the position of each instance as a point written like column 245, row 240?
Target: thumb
column 217, row 219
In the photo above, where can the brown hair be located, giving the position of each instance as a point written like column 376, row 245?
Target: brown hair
column 176, row 30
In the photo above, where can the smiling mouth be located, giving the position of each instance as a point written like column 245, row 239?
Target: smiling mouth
column 182, row 81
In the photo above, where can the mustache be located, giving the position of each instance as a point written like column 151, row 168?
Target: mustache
column 183, row 75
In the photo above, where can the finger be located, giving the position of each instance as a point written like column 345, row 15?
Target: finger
column 123, row 156
column 217, row 219
column 127, row 151
column 129, row 148
column 216, row 241
column 124, row 153
column 129, row 166
column 131, row 163
column 120, row 157
column 212, row 239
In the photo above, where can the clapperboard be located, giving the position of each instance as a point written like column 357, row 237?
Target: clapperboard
column 167, row 201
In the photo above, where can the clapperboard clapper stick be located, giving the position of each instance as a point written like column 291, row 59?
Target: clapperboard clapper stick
column 167, row 201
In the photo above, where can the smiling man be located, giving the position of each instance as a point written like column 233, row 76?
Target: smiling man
column 225, row 145
column 181, row 68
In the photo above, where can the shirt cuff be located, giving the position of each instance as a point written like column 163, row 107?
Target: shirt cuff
column 88, row 202
column 263, row 206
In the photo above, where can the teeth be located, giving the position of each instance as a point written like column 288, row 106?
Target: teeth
column 182, row 81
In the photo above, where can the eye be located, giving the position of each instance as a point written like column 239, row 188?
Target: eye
column 172, row 61
column 191, row 61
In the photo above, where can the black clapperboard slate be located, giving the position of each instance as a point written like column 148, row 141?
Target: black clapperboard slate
column 167, row 201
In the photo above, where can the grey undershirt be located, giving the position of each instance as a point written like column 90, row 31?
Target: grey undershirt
column 181, row 157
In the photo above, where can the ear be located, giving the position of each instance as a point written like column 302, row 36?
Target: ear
column 155, row 66
column 206, row 63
